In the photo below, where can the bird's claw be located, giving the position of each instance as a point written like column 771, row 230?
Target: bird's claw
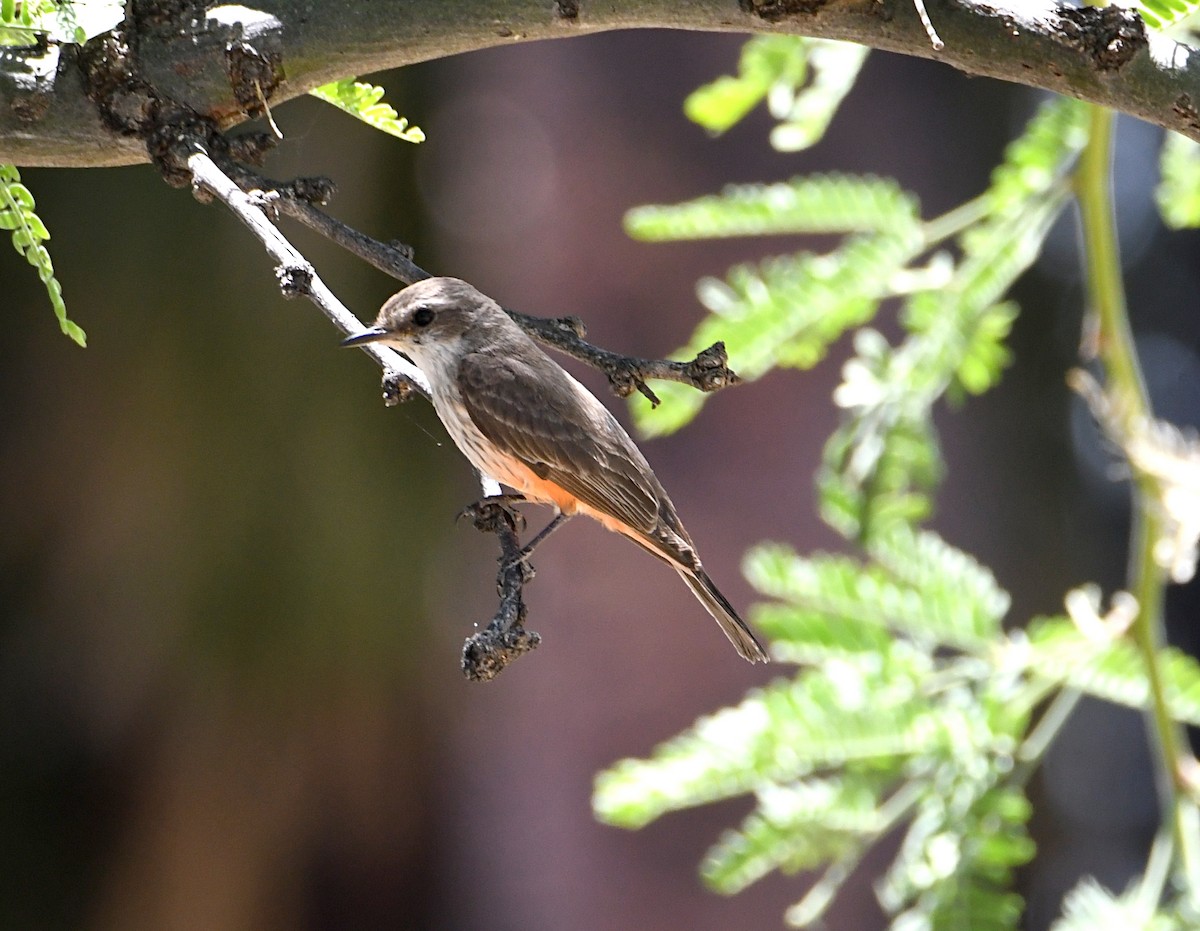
column 490, row 515
column 396, row 389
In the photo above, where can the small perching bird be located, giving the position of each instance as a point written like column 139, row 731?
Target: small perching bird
column 522, row 420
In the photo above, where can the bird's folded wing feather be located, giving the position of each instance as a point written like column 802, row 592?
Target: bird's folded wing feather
column 533, row 410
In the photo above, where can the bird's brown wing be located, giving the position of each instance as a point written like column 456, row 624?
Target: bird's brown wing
column 531, row 409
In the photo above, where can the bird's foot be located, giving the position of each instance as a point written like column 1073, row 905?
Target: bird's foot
column 491, row 514
column 396, row 389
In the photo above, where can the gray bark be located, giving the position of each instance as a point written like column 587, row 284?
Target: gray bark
column 96, row 106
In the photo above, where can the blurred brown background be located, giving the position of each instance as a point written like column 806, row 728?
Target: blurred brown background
column 232, row 593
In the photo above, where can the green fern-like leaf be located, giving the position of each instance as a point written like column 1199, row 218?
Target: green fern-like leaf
column 1163, row 14
column 806, row 113
column 776, row 69
column 25, row 13
column 829, row 611
column 21, row 23
column 962, row 604
column 876, row 473
column 919, row 586
column 963, row 326
column 967, row 835
column 966, row 346
column 796, row 827
column 955, row 867
column 785, row 311
column 878, row 468
column 1036, row 161
column 721, row 756
column 815, row 204
column 1178, row 191
column 904, row 708
column 805, row 636
column 996, row 254
column 1091, row 907
column 365, row 102
column 1113, row 671
column 28, row 233
column 986, row 354
column 779, row 734
column 766, row 62
column 24, row 22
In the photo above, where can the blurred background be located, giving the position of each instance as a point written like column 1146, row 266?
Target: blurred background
column 233, row 594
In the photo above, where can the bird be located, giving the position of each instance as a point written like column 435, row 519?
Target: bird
column 523, row 420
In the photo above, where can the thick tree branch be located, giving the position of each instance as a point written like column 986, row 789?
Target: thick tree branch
column 91, row 107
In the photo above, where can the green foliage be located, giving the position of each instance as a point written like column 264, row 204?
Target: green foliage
column 1036, row 162
column 1178, row 191
column 20, row 23
column 804, row 113
column 27, row 22
column 786, row 311
column 25, row 14
column 910, row 710
column 1163, row 14
column 779, row 734
column 767, row 61
column 888, row 720
column 880, row 465
column 817, row 204
column 20, row 14
column 28, row 233
column 915, row 585
column 877, row 472
column 1091, row 907
column 910, row 705
column 955, row 866
column 1111, row 669
column 803, row 81
column 365, row 102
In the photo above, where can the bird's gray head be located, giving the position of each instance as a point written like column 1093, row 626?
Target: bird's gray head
column 430, row 316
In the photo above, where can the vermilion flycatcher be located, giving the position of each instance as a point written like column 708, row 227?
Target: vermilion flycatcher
column 524, row 421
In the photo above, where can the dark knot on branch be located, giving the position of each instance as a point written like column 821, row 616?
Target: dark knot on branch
column 486, row 654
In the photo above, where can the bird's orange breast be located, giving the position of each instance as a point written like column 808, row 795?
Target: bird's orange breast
column 498, row 464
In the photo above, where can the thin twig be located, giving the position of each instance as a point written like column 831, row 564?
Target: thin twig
column 301, row 199
column 294, row 272
column 709, row 371
column 934, row 39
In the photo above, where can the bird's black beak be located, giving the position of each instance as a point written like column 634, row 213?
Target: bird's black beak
column 372, row 335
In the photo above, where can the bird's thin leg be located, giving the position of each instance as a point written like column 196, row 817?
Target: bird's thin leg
column 559, row 519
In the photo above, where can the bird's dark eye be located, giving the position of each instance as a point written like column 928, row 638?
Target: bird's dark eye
column 423, row 316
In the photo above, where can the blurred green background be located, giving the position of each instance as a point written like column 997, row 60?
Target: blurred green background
column 232, row 592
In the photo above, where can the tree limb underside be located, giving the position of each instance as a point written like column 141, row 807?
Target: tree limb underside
column 97, row 106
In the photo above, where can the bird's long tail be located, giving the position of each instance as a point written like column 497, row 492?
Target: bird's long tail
column 719, row 607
